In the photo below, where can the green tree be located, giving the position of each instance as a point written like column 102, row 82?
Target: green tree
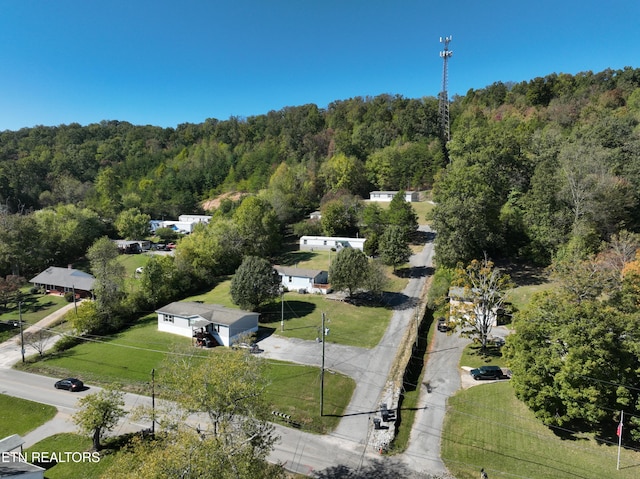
column 211, row 251
column 254, row 283
column 132, row 224
column 376, row 278
column 394, row 249
column 20, row 247
column 161, row 281
column 257, row 226
column 99, row 413
column 87, row 319
column 343, row 172
column 465, row 216
column 109, row 274
column 234, row 440
column 348, row 270
column 564, row 356
column 340, row 216
column 485, row 286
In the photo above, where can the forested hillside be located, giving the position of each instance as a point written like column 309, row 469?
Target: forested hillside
column 529, row 166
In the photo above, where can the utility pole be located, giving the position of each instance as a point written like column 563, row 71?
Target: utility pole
column 153, row 402
column 75, row 305
column 322, row 371
column 281, row 308
column 21, row 332
column 444, row 95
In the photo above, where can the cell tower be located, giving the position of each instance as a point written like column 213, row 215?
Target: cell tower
column 444, row 95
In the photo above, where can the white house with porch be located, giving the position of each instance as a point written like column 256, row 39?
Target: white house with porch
column 310, row 243
column 301, row 279
column 207, row 322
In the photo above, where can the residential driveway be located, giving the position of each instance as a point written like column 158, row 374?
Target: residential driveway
column 441, row 380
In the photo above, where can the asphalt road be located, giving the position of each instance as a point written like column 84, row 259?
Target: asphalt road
column 345, row 450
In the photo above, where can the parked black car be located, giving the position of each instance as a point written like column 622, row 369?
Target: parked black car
column 442, row 325
column 487, row 372
column 70, row 384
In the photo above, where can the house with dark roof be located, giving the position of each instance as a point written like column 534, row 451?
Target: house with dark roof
column 61, row 280
column 208, row 324
column 301, row 279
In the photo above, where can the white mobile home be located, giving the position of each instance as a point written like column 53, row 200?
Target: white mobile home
column 386, row 196
column 309, row 243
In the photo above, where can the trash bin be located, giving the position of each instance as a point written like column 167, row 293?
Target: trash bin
column 376, row 422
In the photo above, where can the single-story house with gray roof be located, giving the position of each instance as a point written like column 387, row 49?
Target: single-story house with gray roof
column 309, row 280
column 205, row 322
column 61, row 280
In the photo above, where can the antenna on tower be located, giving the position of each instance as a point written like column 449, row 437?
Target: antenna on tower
column 444, row 95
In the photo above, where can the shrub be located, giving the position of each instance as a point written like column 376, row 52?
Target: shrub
column 66, row 342
column 69, row 296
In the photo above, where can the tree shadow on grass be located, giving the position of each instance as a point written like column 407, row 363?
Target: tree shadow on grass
column 390, row 468
column 293, row 309
column 294, row 257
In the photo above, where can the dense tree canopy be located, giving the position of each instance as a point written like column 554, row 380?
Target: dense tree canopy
column 254, row 283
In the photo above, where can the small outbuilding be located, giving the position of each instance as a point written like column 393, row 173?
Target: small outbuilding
column 62, row 280
column 301, row 279
column 208, row 324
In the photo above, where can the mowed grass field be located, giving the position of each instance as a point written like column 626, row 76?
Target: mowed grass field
column 487, row 427
column 19, row 416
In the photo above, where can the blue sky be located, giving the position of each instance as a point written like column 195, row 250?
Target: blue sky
column 165, row 62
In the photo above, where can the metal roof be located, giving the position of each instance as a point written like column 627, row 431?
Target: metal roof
column 297, row 272
column 67, row 277
column 214, row 313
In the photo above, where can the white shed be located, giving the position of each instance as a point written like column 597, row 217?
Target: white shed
column 207, row 321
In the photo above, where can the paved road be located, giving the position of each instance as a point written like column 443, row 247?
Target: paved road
column 345, row 449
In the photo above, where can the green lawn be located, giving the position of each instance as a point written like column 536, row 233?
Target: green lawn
column 294, row 389
column 19, row 416
column 126, row 358
column 486, row 426
column 68, row 442
column 521, row 295
column 473, row 357
column 34, row 308
column 353, row 325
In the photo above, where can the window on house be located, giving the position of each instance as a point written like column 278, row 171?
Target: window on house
column 290, row 279
column 304, row 241
column 168, row 318
column 325, row 242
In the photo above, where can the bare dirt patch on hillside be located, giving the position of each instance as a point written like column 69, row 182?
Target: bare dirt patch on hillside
column 214, row 203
